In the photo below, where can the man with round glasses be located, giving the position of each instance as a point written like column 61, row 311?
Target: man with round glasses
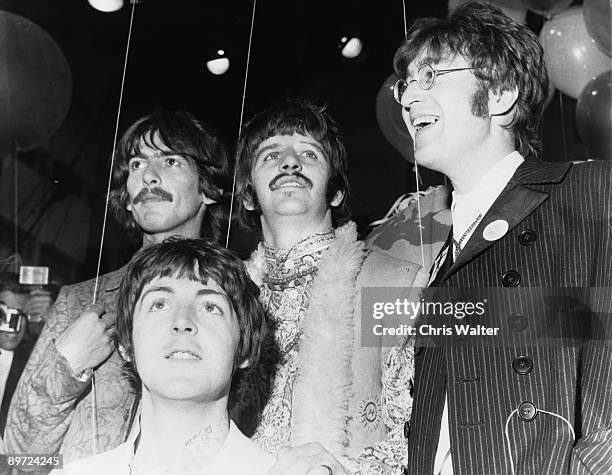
column 426, row 75
column 518, row 223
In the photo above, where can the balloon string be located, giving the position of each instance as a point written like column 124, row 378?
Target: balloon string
column 110, row 172
column 418, row 194
column 16, row 204
column 416, row 167
column 246, row 77
column 405, row 20
column 94, row 421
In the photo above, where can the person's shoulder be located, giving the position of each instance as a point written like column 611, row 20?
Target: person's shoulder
column 383, row 270
column 115, row 461
column 109, row 280
column 600, row 169
column 252, row 459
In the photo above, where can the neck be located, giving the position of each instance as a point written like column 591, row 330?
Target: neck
column 469, row 169
column 285, row 231
column 168, row 425
column 189, row 230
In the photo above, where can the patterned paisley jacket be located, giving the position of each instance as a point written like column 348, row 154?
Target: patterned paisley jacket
column 337, row 393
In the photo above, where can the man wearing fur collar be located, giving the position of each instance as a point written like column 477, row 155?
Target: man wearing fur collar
column 292, row 181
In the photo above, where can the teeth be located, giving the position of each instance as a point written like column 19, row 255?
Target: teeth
column 183, row 355
column 291, row 183
column 423, row 121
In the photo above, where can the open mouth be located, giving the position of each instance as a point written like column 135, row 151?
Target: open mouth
column 292, row 184
column 424, row 121
column 183, row 355
column 291, row 181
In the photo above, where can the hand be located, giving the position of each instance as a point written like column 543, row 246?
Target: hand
column 307, row 459
column 38, row 303
column 87, row 341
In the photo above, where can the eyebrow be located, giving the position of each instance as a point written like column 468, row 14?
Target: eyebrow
column 158, row 154
column 169, row 290
column 274, row 145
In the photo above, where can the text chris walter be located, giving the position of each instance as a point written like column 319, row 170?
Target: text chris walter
column 410, row 309
column 431, row 330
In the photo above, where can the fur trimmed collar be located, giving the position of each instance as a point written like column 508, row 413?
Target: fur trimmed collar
column 323, row 385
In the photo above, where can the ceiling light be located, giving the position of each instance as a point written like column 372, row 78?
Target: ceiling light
column 219, row 64
column 106, row 5
column 350, row 47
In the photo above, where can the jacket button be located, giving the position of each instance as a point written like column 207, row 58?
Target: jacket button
column 518, row 322
column 522, row 365
column 511, row 278
column 527, row 237
column 527, row 411
column 406, row 429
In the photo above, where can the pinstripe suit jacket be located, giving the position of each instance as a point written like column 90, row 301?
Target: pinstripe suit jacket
column 568, row 209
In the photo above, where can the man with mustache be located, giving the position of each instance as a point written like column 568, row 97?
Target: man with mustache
column 292, row 184
column 169, row 174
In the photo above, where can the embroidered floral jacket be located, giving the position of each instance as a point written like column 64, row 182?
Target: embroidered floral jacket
column 338, row 388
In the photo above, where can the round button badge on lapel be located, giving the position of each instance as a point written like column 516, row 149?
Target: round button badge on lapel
column 495, row 230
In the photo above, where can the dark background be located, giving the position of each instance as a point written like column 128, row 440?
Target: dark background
column 62, row 182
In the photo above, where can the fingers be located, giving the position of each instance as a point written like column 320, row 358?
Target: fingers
column 307, row 459
column 96, row 309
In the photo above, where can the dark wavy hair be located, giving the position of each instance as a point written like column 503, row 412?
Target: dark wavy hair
column 286, row 118
column 505, row 55
column 197, row 260
column 182, row 133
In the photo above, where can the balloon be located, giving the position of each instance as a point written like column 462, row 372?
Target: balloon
column 594, row 116
column 35, row 84
column 547, row 8
column 571, row 55
column 389, row 117
column 598, row 21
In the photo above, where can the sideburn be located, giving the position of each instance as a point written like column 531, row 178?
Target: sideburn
column 480, row 101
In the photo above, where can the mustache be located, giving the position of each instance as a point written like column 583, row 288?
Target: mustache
column 146, row 192
column 274, row 184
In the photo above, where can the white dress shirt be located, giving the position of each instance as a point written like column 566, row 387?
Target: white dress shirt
column 6, row 359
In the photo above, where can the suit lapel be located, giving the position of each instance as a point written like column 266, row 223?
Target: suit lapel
column 513, row 205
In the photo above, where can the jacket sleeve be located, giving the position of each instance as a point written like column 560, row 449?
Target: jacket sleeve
column 592, row 452
column 47, row 393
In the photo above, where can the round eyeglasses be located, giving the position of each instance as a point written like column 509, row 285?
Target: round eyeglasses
column 425, row 79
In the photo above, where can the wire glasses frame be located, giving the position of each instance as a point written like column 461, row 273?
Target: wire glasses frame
column 426, row 77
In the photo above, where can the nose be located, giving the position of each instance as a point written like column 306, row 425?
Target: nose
column 183, row 322
column 152, row 175
column 290, row 163
column 411, row 93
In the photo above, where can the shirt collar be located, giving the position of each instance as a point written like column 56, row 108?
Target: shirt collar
column 466, row 207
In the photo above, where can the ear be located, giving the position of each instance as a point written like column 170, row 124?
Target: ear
column 124, row 354
column 501, row 102
column 337, row 199
column 206, row 200
column 248, row 203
